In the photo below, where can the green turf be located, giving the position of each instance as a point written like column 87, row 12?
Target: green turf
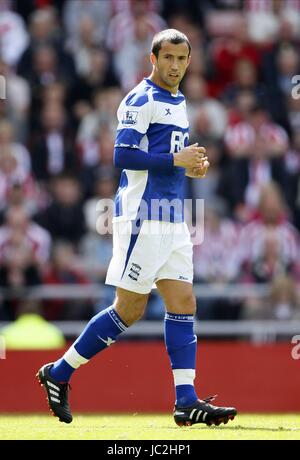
column 153, row 427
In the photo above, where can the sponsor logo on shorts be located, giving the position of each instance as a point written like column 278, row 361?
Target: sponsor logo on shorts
column 134, row 271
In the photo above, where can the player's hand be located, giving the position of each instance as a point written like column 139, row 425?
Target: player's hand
column 200, row 172
column 190, row 157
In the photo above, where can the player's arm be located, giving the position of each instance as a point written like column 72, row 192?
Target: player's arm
column 137, row 160
column 128, row 157
column 135, row 116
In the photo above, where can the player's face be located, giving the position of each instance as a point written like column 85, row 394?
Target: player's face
column 171, row 64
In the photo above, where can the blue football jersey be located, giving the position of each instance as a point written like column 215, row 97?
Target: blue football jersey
column 153, row 120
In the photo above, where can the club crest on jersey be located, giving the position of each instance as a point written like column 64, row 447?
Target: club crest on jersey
column 129, row 117
column 134, row 272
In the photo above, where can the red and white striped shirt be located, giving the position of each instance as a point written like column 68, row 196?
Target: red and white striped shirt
column 241, row 137
column 254, row 6
column 36, row 239
column 217, row 258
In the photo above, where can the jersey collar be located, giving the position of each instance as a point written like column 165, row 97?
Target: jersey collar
column 163, row 90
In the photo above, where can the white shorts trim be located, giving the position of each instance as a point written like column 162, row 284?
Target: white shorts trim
column 133, row 288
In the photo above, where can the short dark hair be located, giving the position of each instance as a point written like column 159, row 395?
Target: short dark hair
column 169, row 35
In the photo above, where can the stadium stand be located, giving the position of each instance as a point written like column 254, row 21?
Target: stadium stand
column 67, row 65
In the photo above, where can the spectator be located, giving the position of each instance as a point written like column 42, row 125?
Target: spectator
column 65, row 269
column 18, row 99
column 284, row 299
column 130, row 54
column 97, row 157
column 105, row 189
column 64, row 217
column 242, row 106
column 46, row 70
column 105, row 103
column 24, row 252
column 293, row 109
column 258, row 147
column 198, row 102
column 13, row 37
column 216, row 260
column 96, row 245
column 208, row 190
column 31, row 331
column 245, row 79
column 241, row 137
column 267, row 17
column 293, row 168
column 281, row 304
column 44, row 31
column 270, row 244
column 99, row 74
column 8, row 143
column 53, row 151
column 12, row 172
column 98, row 12
column 122, row 26
column 18, row 223
column 228, row 50
column 82, row 49
column 279, row 63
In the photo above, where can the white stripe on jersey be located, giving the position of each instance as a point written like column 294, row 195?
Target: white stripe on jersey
column 177, row 115
column 132, row 194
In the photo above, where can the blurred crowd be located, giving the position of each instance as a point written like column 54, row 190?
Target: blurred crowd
column 67, row 65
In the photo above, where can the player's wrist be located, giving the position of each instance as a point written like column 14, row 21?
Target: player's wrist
column 176, row 159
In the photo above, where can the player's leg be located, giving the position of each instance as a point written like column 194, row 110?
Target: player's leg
column 181, row 344
column 174, row 281
column 101, row 331
column 131, row 270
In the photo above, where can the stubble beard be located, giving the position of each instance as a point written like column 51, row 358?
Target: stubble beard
column 170, row 83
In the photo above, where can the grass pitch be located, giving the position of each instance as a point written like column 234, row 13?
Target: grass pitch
column 151, row 427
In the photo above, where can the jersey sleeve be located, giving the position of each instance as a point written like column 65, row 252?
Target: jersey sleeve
column 134, row 117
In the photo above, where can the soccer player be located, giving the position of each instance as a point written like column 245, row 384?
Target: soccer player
column 151, row 241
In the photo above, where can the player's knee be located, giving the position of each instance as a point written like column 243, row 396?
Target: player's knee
column 131, row 310
column 186, row 304
column 138, row 311
column 191, row 304
column 131, row 313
